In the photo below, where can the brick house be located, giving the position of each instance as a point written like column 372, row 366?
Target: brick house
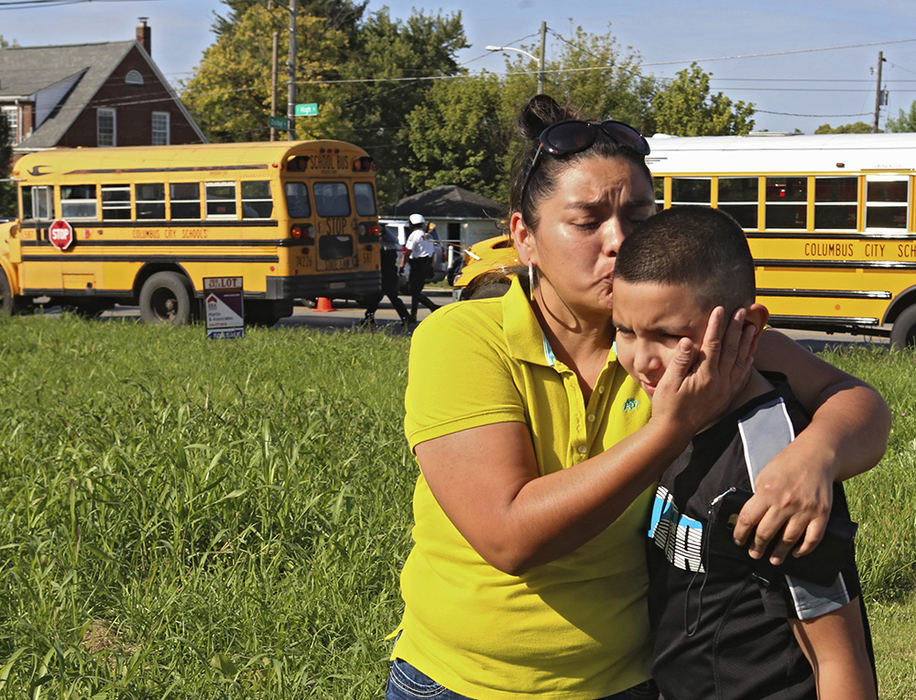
column 104, row 94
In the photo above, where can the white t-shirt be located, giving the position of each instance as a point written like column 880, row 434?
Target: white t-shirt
column 420, row 244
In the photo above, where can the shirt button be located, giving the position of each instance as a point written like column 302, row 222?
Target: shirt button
column 582, row 449
column 591, row 417
column 600, row 389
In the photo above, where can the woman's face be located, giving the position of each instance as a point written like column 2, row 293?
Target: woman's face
column 596, row 203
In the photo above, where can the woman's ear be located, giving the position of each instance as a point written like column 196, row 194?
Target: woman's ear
column 757, row 316
column 523, row 239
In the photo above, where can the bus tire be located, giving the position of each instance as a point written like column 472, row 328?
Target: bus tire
column 7, row 303
column 903, row 332
column 165, row 298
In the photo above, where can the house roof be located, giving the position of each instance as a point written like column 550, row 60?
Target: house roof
column 25, row 70
column 449, row 201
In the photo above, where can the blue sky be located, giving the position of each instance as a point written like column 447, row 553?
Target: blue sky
column 766, row 53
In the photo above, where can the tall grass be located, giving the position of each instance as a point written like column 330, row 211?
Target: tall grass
column 184, row 518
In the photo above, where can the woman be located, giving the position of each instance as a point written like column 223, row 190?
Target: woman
column 527, row 577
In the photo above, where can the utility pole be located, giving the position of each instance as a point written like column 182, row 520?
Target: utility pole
column 291, row 66
column 541, row 58
column 878, row 93
column 273, row 86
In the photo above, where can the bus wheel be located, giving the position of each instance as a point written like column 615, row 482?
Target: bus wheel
column 903, row 333
column 7, row 303
column 165, row 298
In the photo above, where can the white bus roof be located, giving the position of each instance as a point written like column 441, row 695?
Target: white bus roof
column 768, row 153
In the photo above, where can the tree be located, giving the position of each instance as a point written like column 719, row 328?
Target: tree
column 905, row 121
column 457, row 137
column 857, row 128
column 7, row 189
column 684, row 107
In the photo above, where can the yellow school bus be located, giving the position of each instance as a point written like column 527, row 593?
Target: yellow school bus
column 144, row 226
column 829, row 219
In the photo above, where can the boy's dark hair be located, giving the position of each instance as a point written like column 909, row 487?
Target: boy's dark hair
column 697, row 246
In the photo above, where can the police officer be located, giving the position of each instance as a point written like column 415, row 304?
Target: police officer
column 418, row 249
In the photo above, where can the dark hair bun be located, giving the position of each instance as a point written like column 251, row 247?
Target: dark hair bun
column 540, row 112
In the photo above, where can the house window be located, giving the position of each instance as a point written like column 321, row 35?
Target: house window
column 106, row 127
column 133, row 77
column 12, row 120
column 160, row 129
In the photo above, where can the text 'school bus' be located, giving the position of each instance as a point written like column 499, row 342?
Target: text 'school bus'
column 146, row 225
column 829, row 220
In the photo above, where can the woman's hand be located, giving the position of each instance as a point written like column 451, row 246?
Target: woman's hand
column 850, row 424
column 700, row 384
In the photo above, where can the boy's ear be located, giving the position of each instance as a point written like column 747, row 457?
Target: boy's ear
column 523, row 239
column 757, row 316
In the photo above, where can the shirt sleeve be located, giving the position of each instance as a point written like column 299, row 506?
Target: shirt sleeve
column 460, row 375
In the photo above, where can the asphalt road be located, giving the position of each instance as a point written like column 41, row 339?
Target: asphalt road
column 348, row 315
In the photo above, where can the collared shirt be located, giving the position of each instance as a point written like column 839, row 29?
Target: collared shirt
column 575, row 627
column 420, row 244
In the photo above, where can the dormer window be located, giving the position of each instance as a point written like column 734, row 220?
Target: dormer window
column 133, row 77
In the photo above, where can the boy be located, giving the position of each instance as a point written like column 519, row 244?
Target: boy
column 726, row 627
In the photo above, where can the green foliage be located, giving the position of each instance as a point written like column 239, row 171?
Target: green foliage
column 856, row 128
column 454, row 135
column 905, row 121
column 7, row 189
column 5, row 44
column 685, row 107
column 357, row 69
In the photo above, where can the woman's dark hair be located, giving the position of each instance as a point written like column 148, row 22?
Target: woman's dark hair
column 538, row 113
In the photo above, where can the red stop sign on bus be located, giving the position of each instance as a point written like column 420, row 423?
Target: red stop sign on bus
column 60, row 233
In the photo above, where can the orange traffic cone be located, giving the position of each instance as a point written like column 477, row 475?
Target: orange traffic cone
column 324, row 304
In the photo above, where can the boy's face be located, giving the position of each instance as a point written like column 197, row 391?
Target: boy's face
column 651, row 317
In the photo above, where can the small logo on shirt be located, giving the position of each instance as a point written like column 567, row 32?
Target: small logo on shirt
column 630, row 405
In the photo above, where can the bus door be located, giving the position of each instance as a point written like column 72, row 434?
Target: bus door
column 37, row 215
column 336, row 227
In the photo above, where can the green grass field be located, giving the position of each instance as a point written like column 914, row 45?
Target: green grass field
column 197, row 519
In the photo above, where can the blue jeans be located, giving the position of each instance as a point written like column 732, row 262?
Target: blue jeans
column 407, row 683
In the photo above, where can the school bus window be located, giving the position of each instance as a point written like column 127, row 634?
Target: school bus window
column 297, row 200
column 331, row 199
column 738, row 197
column 36, row 203
column 690, row 190
column 185, row 200
column 220, row 200
column 115, row 202
column 786, row 202
column 256, row 200
column 835, row 203
column 78, row 202
column 658, row 183
column 885, row 203
column 150, row 200
column 365, row 198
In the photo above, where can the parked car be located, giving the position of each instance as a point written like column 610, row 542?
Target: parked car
column 399, row 229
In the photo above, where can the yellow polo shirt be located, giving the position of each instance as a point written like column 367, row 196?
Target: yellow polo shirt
column 576, row 627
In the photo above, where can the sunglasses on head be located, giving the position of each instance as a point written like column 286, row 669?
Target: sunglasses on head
column 573, row 136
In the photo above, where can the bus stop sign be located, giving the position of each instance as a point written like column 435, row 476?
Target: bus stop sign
column 60, row 233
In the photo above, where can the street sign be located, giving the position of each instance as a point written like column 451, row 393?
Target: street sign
column 225, row 307
column 278, row 123
column 60, row 233
column 309, row 109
